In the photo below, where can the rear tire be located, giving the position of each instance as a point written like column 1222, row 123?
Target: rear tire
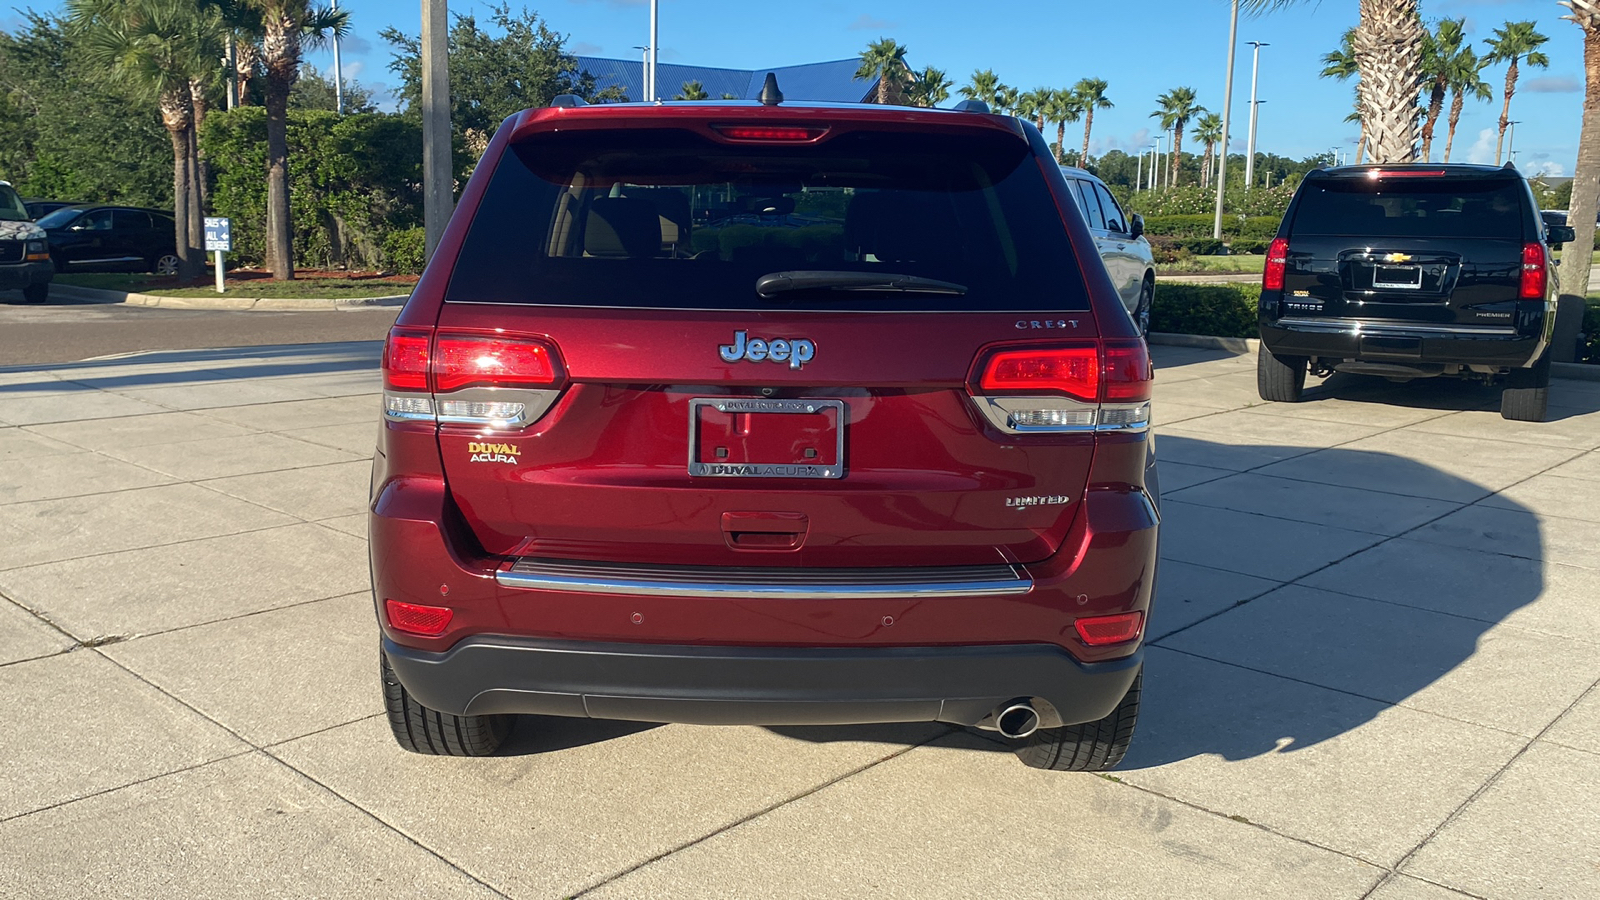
column 433, row 733
column 36, row 293
column 1526, row 397
column 1280, row 379
column 1091, row 747
column 1147, row 299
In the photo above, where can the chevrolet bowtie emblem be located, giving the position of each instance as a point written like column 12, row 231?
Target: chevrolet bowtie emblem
column 1398, row 257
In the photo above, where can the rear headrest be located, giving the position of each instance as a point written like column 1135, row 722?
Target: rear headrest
column 622, row 227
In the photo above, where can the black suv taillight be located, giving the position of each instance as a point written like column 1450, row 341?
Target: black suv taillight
column 1277, row 265
column 1534, row 272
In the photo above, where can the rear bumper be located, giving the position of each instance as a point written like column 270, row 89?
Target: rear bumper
column 19, row 275
column 759, row 685
column 1347, row 339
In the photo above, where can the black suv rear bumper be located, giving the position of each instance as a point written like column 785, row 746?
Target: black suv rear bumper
column 759, row 685
column 1351, row 340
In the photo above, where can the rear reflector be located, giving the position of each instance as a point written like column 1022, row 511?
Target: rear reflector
column 405, row 359
column 1277, row 264
column 1101, row 631
column 1533, row 272
column 414, row 618
column 769, row 132
column 1072, row 370
column 460, row 362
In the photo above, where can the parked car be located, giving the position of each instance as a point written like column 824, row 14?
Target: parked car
column 101, row 238
column 1120, row 240
column 38, row 209
column 24, row 258
column 1412, row 271
column 887, row 464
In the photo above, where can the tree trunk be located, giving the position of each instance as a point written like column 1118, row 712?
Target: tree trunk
column 180, row 202
column 1455, row 116
column 1177, row 154
column 1361, row 149
column 1581, row 210
column 246, row 56
column 1388, row 48
column 1088, row 123
column 1435, row 106
column 1061, row 141
column 202, row 168
column 1505, row 109
column 883, row 86
column 197, row 224
column 281, row 53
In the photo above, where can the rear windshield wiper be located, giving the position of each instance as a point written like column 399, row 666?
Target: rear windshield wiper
column 825, row 280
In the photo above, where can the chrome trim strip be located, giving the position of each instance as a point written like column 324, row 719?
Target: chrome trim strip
column 1296, row 323
column 748, row 584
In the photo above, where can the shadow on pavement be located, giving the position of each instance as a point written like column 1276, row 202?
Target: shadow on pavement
column 226, row 364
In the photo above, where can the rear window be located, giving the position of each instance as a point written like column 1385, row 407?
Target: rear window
column 665, row 218
column 1411, row 207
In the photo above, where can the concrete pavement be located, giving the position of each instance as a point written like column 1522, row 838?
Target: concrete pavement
column 1373, row 674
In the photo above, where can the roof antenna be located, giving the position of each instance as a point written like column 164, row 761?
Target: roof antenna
column 770, row 95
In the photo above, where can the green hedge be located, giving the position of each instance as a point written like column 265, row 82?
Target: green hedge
column 1591, row 331
column 1263, row 227
column 1221, row 310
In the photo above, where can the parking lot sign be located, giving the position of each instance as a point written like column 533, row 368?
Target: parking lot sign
column 219, row 234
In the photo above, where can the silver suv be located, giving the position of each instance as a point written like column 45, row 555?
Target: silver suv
column 1120, row 240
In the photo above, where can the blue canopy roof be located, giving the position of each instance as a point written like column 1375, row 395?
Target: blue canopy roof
column 830, row 82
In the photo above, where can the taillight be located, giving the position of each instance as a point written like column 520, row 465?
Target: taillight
column 405, row 359
column 1404, row 173
column 1101, row 631
column 1074, row 371
column 1277, row 264
column 414, row 618
column 461, row 362
column 770, row 132
column 1534, row 272
column 1089, row 386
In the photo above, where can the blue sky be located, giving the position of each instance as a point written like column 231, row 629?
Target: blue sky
column 1141, row 49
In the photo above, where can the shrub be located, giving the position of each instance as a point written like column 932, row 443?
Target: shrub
column 1591, row 332
column 1220, row 310
column 1168, row 249
column 406, row 250
column 1248, row 245
column 1202, row 226
column 1205, row 246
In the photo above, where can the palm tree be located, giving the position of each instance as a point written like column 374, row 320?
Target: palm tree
column 1514, row 42
column 1387, row 50
column 288, row 28
column 1439, row 50
column 1064, row 107
column 930, row 87
column 1340, row 65
column 1585, row 185
column 157, row 49
column 884, row 60
column 692, row 90
column 1175, row 108
column 1208, row 131
column 985, row 85
column 1465, row 81
column 1091, row 95
column 1031, row 105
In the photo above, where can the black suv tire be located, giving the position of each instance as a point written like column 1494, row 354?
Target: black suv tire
column 433, row 733
column 1091, row 747
column 1280, row 379
column 36, row 293
column 1526, row 397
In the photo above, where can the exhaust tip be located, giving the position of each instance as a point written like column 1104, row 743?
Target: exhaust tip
column 1017, row 721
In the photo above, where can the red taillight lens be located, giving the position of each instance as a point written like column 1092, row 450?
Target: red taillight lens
column 1101, row 631
column 460, row 362
column 1277, row 263
column 414, row 618
column 1073, row 370
column 769, row 132
column 1127, row 371
column 405, row 359
column 1533, row 272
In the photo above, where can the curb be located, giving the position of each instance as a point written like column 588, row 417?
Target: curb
column 1218, row 278
column 276, row 304
column 1574, row 371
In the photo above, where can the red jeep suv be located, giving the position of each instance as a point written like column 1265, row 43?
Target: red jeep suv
column 765, row 414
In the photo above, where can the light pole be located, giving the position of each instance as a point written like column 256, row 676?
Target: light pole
column 338, row 71
column 1156, row 172
column 1227, row 107
column 1250, row 145
column 1138, row 177
column 655, row 42
column 644, row 69
column 438, row 193
column 1511, row 142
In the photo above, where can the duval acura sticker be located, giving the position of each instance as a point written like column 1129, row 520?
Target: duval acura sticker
column 492, row 453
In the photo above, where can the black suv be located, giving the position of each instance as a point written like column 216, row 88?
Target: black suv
column 1412, row 271
column 112, row 239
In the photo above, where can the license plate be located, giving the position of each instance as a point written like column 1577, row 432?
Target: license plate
column 749, row 437
column 1404, row 278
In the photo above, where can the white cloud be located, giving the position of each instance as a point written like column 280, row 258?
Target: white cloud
column 1102, row 145
column 584, row 48
column 1549, row 167
column 871, row 23
column 1483, row 148
column 353, row 69
column 1554, row 84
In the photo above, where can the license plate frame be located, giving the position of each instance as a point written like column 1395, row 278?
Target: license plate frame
column 700, row 468
column 1384, row 277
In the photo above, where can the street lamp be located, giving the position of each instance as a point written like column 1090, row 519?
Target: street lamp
column 338, row 71
column 1255, row 105
column 438, row 188
column 644, row 69
column 1511, row 141
column 1156, row 172
column 652, row 94
column 1227, row 108
column 1138, row 176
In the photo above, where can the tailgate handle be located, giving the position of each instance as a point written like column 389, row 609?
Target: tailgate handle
column 764, row 530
